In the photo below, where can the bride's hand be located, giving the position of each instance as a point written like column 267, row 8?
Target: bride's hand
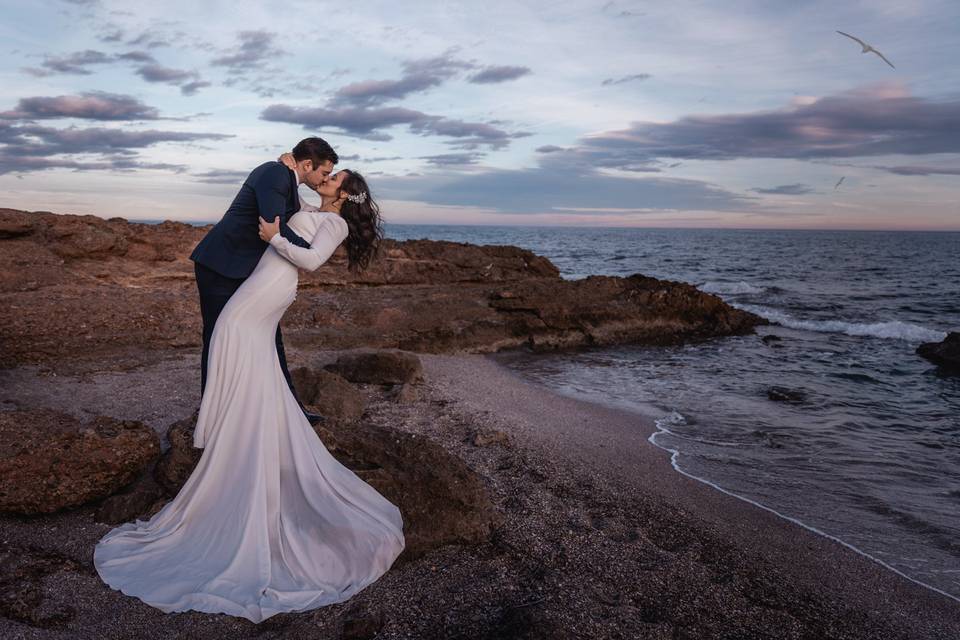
column 287, row 159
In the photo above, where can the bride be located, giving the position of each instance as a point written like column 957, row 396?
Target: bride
column 269, row 521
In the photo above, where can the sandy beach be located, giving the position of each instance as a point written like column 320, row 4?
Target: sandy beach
column 601, row 537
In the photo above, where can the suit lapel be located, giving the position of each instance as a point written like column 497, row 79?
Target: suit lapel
column 293, row 200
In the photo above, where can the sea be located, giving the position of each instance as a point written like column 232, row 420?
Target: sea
column 866, row 450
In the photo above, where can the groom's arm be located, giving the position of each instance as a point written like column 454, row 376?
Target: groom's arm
column 272, row 189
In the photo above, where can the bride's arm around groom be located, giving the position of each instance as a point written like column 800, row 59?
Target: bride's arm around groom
column 330, row 233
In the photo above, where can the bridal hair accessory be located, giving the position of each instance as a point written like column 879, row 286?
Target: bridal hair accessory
column 360, row 198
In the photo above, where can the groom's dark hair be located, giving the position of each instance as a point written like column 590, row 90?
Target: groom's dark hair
column 316, row 149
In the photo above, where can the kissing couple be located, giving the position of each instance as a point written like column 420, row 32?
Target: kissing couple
column 269, row 521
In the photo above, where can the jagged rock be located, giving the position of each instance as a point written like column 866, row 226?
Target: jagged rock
column 378, row 367
column 22, row 576
column 121, row 292
column 50, row 460
column 782, row 394
column 328, row 394
column 767, row 339
column 945, row 353
column 362, row 623
column 441, row 499
column 403, row 393
column 141, row 500
column 484, row 437
column 178, row 462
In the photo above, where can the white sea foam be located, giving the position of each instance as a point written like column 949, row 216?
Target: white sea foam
column 675, row 454
column 730, row 287
column 893, row 329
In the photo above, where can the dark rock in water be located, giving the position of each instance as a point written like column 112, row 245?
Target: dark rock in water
column 49, row 460
column 782, row 394
column 442, row 500
column 378, row 367
column 945, row 354
column 328, row 394
column 767, row 339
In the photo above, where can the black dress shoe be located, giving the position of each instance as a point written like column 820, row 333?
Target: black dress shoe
column 314, row 418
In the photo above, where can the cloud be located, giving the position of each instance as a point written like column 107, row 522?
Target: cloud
column 75, row 63
column 255, row 49
column 149, row 69
column 913, row 170
column 492, row 75
column 136, row 56
column 369, row 123
column 542, row 190
column 874, row 120
column 631, row 78
column 149, row 39
column 419, row 76
column 188, row 81
column 191, row 88
column 548, row 148
column 158, row 73
column 92, row 105
column 785, row 189
column 453, row 159
column 222, row 176
column 32, row 147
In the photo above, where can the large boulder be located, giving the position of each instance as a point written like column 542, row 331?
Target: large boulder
column 378, row 367
column 178, row 462
column 50, row 460
column 328, row 394
column 441, row 499
column 945, row 353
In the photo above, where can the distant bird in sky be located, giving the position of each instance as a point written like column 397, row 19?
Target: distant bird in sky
column 866, row 48
column 838, row 182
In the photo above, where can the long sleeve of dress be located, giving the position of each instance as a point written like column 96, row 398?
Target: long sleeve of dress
column 331, row 232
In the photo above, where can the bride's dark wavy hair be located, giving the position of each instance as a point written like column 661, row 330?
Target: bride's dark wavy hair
column 363, row 220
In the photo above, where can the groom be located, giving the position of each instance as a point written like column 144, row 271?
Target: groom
column 227, row 255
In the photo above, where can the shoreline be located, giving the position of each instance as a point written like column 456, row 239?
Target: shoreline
column 648, row 421
column 878, row 586
column 603, row 538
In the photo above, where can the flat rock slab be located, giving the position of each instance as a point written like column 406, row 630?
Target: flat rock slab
column 50, row 460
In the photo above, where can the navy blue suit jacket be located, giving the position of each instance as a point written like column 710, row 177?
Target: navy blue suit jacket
column 233, row 246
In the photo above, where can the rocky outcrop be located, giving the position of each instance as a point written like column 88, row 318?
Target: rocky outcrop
column 115, row 293
column 442, row 500
column 378, row 367
column 328, row 394
column 945, row 354
column 50, row 460
column 179, row 460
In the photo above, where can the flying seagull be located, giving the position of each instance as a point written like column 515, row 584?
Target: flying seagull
column 866, row 47
column 838, row 182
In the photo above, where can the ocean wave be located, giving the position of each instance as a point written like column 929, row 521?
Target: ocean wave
column 730, row 287
column 892, row 330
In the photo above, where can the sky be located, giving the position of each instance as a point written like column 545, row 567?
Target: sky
column 731, row 114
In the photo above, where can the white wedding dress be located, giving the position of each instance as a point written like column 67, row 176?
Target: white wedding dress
column 269, row 521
